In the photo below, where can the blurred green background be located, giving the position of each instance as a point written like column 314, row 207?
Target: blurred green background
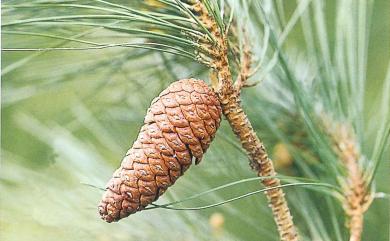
column 68, row 117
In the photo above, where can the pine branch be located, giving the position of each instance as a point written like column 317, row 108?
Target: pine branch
column 231, row 106
column 357, row 198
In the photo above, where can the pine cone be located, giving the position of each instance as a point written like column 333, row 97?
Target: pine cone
column 179, row 126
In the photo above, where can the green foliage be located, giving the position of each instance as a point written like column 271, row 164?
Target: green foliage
column 77, row 77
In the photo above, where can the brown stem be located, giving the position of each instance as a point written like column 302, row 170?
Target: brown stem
column 228, row 95
column 356, row 227
column 259, row 159
column 357, row 199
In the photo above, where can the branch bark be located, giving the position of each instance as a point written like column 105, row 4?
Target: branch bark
column 259, row 160
column 229, row 97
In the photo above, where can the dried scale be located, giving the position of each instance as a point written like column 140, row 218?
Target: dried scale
column 179, row 126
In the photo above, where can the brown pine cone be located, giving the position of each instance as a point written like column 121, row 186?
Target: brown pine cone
column 179, row 126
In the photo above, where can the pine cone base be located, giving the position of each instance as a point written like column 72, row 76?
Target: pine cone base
column 179, row 126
